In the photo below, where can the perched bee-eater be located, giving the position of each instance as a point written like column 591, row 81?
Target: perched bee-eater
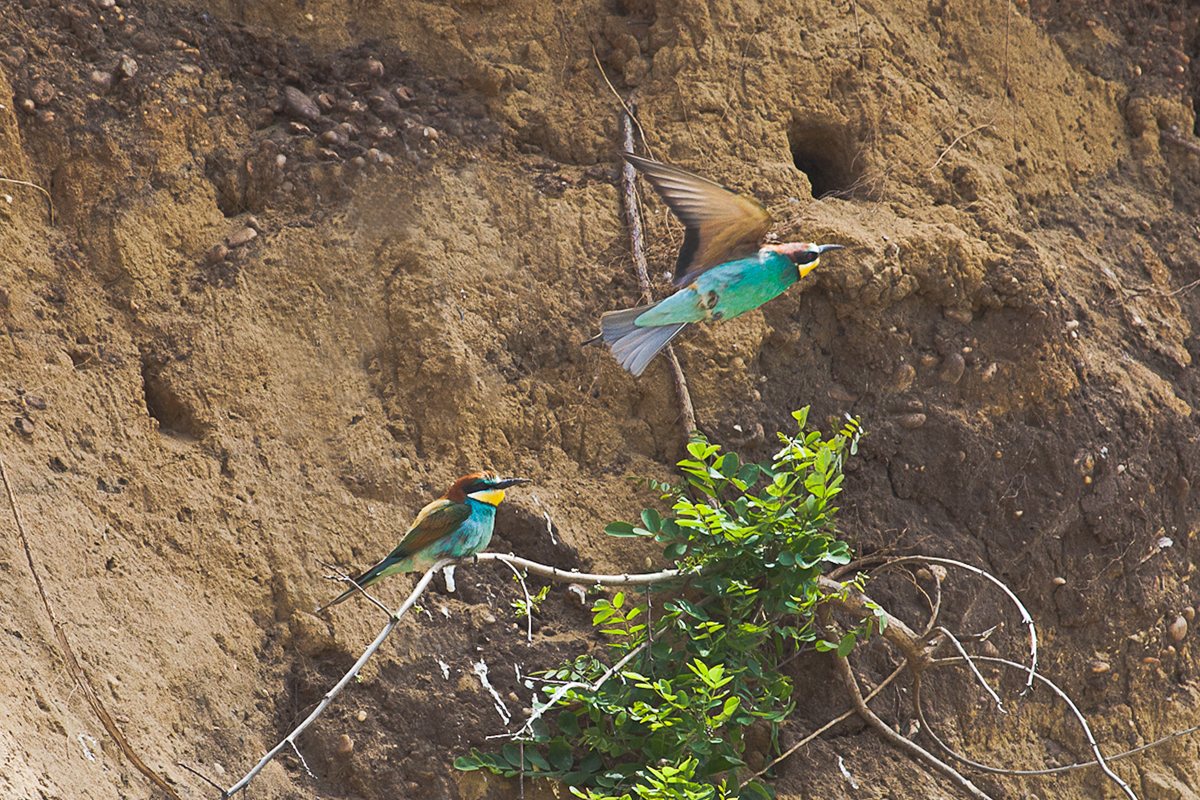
column 722, row 270
column 456, row 525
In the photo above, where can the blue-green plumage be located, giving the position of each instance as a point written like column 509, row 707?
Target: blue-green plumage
column 637, row 335
column 456, row 525
column 718, row 271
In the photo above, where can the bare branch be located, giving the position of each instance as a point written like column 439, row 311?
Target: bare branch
column 1087, row 731
column 629, row 194
column 349, row 676
column 1026, row 618
column 900, row 742
column 528, row 600
column 588, row 578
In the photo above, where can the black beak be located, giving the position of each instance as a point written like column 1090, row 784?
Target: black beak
column 504, row 483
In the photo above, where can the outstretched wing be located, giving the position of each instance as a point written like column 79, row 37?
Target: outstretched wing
column 719, row 224
column 436, row 520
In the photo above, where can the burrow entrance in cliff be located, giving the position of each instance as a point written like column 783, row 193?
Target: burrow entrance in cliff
column 829, row 155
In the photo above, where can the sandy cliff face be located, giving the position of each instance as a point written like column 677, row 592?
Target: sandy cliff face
column 293, row 287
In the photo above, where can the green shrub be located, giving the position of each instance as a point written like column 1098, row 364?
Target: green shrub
column 750, row 541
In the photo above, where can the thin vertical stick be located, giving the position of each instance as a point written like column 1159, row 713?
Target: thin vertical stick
column 81, row 681
column 634, row 220
column 632, row 217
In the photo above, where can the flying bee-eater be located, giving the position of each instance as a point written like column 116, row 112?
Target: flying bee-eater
column 456, row 525
column 722, row 270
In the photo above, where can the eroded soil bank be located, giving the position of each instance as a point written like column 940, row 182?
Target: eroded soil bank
column 309, row 263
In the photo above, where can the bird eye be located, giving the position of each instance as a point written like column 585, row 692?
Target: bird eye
column 807, row 257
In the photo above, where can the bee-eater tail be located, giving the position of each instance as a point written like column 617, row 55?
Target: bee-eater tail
column 337, row 599
column 389, row 566
column 634, row 346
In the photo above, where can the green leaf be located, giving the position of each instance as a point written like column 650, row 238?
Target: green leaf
column 622, row 529
column 568, row 723
column 675, row 550
column 748, row 474
column 468, row 763
column 512, row 754
column 591, row 762
column 846, row 645
column 728, row 465
column 719, row 764
column 560, row 754
column 651, row 520
column 536, row 762
column 756, row 789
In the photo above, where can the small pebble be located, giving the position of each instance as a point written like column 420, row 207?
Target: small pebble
column 345, row 746
column 404, row 95
column 217, row 254
column 298, row 104
column 337, row 136
column 1189, row 613
column 961, row 316
column 928, row 361
column 1170, row 651
column 990, row 372
column 102, row 80
column 1059, row 581
column 372, row 68
column 924, row 574
column 489, row 619
column 35, row 401
column 1151, row 661
column 838, row 392
column 911, row 421
column 242, row 237
column 902, row 377
column 1100, row 667
column 127, row 67
column 326, row 102
column 1072, row 324
column 325, row 154
column 1178, row 629
column 280, row 160
column 362, row 716
column 953, row 368
column 42, row 92
column 23, row 425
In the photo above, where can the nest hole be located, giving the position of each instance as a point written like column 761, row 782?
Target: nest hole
column 828, row 156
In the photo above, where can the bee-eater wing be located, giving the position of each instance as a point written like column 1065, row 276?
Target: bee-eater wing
column 719, row 224
column 631, row 346
column 440, row 518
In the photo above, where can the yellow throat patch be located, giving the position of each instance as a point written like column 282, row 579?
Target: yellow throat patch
column 493, row 497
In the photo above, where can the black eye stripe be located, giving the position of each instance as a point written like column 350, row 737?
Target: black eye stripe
column 807, row 257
